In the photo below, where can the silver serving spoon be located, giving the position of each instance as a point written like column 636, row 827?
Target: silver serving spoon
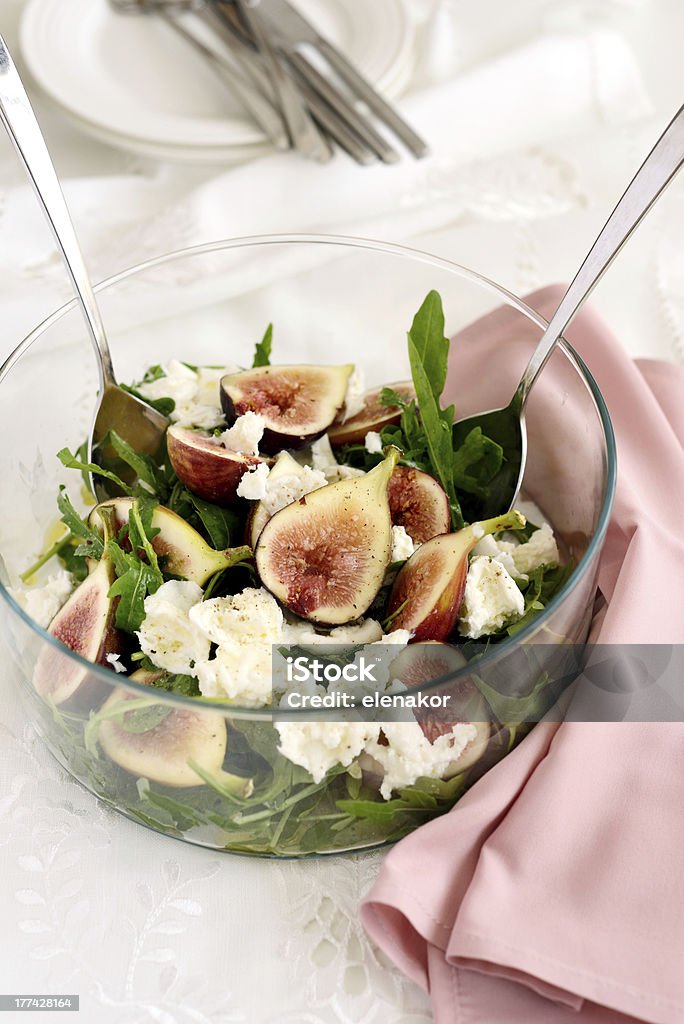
column 140, row 425
column 507, row 425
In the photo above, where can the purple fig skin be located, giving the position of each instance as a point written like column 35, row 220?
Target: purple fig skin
column 429, row 588
column 299, row 403
column 373, row 416
column 206, row 468
column 419, row 504
column 85, row 624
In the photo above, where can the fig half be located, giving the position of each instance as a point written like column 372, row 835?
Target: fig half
column 85, row 624
column 428, row 591
column 298, row 403
column 184, row 551
column 324, row 557
column 205, row 466
column 418, row 503
column 157, row 741
column 373, row 416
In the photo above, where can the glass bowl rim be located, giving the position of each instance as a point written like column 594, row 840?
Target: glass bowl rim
column 499, row 650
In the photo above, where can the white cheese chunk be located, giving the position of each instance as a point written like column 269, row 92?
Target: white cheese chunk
column 319, row 746
column 42, row 603
column 197, row 403
column 253, row 484
column 115, row 661
column 373, row 443
column 491, row 600
column 408, row 754
column 353, row 400
column 283, row 490
column 244, row 627
column 540, row 549
column 501, row 550
column 167, row 635
column 324, row 461
column 245, row 434
column 402, row 545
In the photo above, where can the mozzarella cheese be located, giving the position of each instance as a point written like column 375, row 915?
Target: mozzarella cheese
column 42, row 603
column 283, row 490
column 115, row 661
column 324, row 461
column 491, row 599
column 500, row 550
column 353, row 399
column 244, row 627
column 402, row 545
column 167, row 635
column 252, row 486
column 540, row 549
column 408, row 754
column 373, row 443
column 196, row 394
column 319, row 746
column 245, row 434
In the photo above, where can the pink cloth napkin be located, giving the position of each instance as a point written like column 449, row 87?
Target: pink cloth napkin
column 554, row 891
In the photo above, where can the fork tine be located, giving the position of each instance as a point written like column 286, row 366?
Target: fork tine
column 367, row 93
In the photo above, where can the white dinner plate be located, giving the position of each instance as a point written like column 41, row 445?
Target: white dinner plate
column 130, row 80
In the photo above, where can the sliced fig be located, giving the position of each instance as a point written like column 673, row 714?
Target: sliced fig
column 418, row 665
column 324, row 557
column 181, row 549
column 206, row 467
column 373, row 416
column 159, row 742
column 298, row 402
column 418, row 503
column 85, row 624
column 428, row 591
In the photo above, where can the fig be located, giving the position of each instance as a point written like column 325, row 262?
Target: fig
column 419, row 664
column 324, row 557
column 298, row 403
column 418, row 503
column 85, row 624
column 181, row 549
column 373, row 416
column 159, row 742
column 428, row 591
column 205, row 466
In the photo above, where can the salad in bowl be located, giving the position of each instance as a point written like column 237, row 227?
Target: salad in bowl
column 294, row 524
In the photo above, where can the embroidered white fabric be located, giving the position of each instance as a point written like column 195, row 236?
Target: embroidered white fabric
column 146, row 929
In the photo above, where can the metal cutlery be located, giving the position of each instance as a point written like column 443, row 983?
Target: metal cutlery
column 293, row 32
column 139, row 424
column 271, row 71
column 507, row 425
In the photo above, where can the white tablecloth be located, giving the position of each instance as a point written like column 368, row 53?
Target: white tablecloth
column 150, row 930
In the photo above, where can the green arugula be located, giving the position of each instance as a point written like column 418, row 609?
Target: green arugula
column 262, row 352
column 91, row 544
column 138, row 573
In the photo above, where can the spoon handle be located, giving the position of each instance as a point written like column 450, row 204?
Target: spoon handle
column 19, row 120
column 653, row 176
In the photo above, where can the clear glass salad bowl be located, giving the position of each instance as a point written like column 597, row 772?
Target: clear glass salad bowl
column 331, row 300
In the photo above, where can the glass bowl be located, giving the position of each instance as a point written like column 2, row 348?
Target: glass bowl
column 331, row 300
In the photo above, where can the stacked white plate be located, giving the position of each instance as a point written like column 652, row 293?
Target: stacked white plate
column 131, row 81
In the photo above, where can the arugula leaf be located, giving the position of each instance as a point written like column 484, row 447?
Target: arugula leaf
column 136, row 578
column 262, row 352
column 144, row 466
column 430, row 344
column 476, row 462
column 219, row 523
column 544, row 583
column 92, row 545
column 73, row 462
column 437, row 429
